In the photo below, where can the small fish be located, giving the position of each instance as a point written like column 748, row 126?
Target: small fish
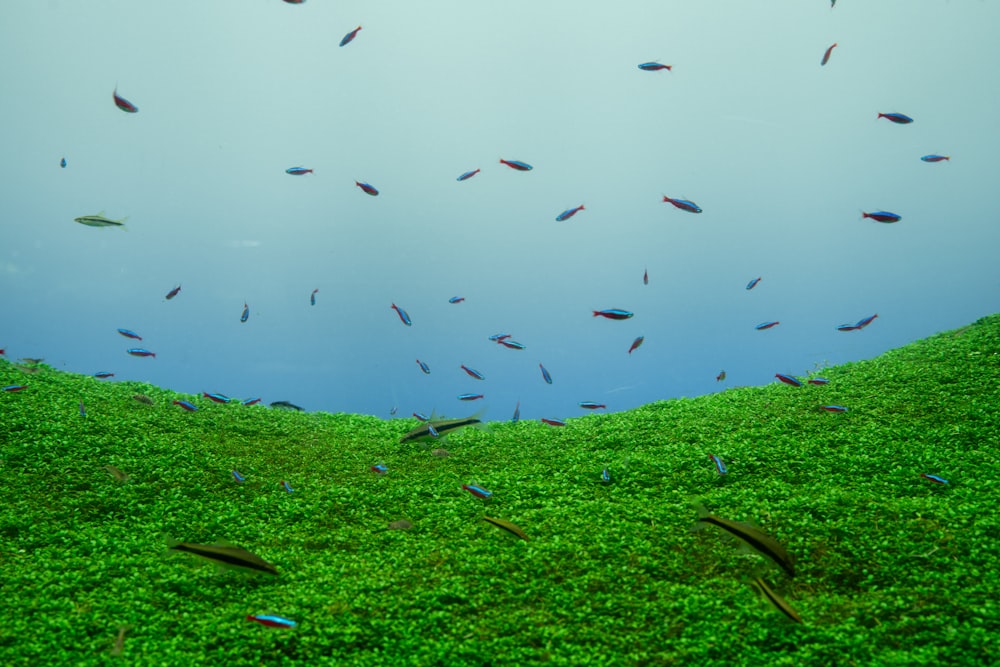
column 773, row 598
column 788, row 379
column 103, row 375
column 424, row 367
column 83, row 411
column 288, row 487
column 119, row 646
column 654, row 67
column 117, row 474
column 898, row 118
column 569, row 213
column 847, row 327
column 935, row 158
column 517, row 164
column 753, row 283
column 14, row 387
column 472, row 372
column 511, row 344
column 545, row 374
column 130, row 334
column 99, row 220
column 174, row 292
column 645, row 277
column 30, row 360
column 312, row 297
column 368, row 189
column 721, row 376
column 349, row 37
column 140, row 352
column 683, row 204
column 499, row 337
column 826, row 56
column 469, row 397
column 933, row 478
column 506, row 525
column 818, row 381
column 392, row 410
column 122, row 103
column 218, row 398
column 467, row 175
column 614, row 314
column 441, row 426
column 238, row 476
column 591, row 405
column 379, row 469
column 190, row 407
column 720, row 465
column 478, row 491
column 754, row 538
column 298, row 171
column 862, row 323
column 766, row 325
column 882, row 216
column 402, row 315
column 250, row 401
column 401, row 524
column 295, row 2
column 276, row 621
column 636, row 343
column 553, row 422
column 245, row 315
column 62, row 163
column 285, row 405
column 419, row 416
column 225, row 555
column 606, row 476
column 517, row 413
column 833, row 408
column 456, row 299
column 433, row 431
column 142, row 398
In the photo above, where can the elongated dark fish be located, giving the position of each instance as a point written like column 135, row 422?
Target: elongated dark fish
column 441, row 426
column 754, row 538
column 506, row 525
column 775, row 600
column 285, row 405
column 226, row 555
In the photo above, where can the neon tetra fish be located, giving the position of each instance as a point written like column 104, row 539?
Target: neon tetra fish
column 174, row 292
column 140, row 352
column 636, row 343
column 368, row 189
column 882, row 216
column 122, row 103
column 545, row 374
column 756, row 539
column 275, row 621
column 898, row 118
column 614, row 314
column 935, row 158
column 592, row 405
column 298, row 171
column 753, row 283
column 654, row 67
column 226, row 555
column 766, row 325
column 467, row 175
column 569, row 213
column 683, row 204
column 349, row 37
column 826, row 56
column 473, row 372
column 788, row 379
column 130, row 334
column 517, row 164
column 245, row 315
column 402, row 315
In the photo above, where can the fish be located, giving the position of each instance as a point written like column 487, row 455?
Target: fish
column 862, row 323
column 935, row 158
column 433, row 431
column 218, row 398
column 119, row 646
column 847, row 327
column 591, row 405
column 117, row 474
column 142, row 398
column 98, row 220
column 553, row 422
column 83, row 411
column 122, row 103
column 826, row 56
column 774, row 599
column 467, row 175
column 224, row 554
column 511, row 344
column 379, row 469
column 517, row 413
column 545, row 374
column 472, row 372
column 62, row 163
column 419, row 416
column 174, row 292
column 469, row 397
column 882, row 216
column 275, row 621
column 645, row 277
column 569, row 213
column 102, row 375
column 11, row 388
column 298, row 171
column 402, row 315
column 818, row 381
column 614, row 314
column 517, row 164
column 456, row 299
column 424, row 367
column 756, row 539
column 349, row 37
column 295, row 2
column 238, row 476
column 250, row 401
column 285, row 405
column 478, row 491
column 506, row 525
column 833, row 408
column 720, row 465
column 721, row 376
column 368, row 189
column 442, row 426
column 392, row 410
column 933, row 478
column 312, row 297
column 606, row 476
column 499, row 337
column 753, row 283
column 654, row 67
column 140, row 352
column 288, row 487
column 898, row 118
column 766, row 325
column 401, row 524
column 190, row 407
column 636, row 343
column 683, row 204
column 788, row 379
column 130, row 334
column 245, row 315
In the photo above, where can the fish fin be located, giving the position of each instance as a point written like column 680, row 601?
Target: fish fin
column 171, row 542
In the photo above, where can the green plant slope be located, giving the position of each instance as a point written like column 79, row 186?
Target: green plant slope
column 891, row 567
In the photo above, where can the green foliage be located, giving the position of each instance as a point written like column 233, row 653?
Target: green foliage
column 891, row 568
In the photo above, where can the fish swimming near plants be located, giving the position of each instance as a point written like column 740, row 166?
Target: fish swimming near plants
column 754, row 538
column 98, row 220
column 285, row 405
column 441, row 426
column 225, row 555
column 775, row 600
column 511, row 528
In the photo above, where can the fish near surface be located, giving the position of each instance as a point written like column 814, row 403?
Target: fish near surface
column 754, row 538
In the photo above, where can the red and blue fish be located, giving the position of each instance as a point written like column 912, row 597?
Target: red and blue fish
column 826, row 56
column 614, row 314
column 545, row 374
column 517, row 164
column 469, row 397
column 763, row 326
column 569, row 213
column 654, row 67
column 720, row 465
column 788, row 379
column 553, row 422
column 473, row 372
column 246, row 313
column 276, row 621
column 456, row 299
column 298, row 171
column 312, row 297
column 636, row 343
column 935, row 158
column 140, row 352
column 190, row 407
column 683, row 204
column 402, row 315
column 898, row 118
column 123, row 104
column 130, row 334
column 478, row 491
column 368, row 189
column 882, row 216
column 349, row 37
column 591, row 405
column 424, row 367
column 753, row 283
column 467, row 175
column 174, row 292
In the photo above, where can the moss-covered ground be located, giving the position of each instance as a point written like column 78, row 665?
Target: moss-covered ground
column 892, row 568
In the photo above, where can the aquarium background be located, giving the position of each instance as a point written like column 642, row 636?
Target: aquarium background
column 782, row 154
